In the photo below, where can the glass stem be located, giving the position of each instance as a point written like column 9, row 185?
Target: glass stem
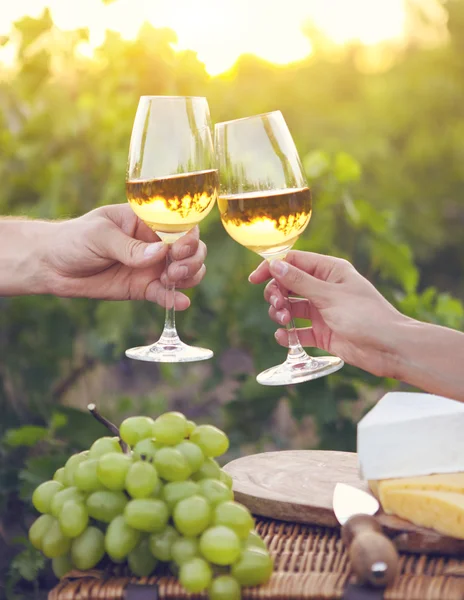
column 169, row 335
column 296, row 351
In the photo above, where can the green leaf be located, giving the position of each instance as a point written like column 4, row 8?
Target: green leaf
column 28, row 435
column 28, row 563
column 316, row 164
column 57, row 421
column 346, row 168
column 394, row 261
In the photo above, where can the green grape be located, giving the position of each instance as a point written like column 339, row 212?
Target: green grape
column 54, row 542
column 208, row 470
column 147, row 514
column 236, row 516
column 178, row 490
column 161, row 543
column 253, row 567
column 192, row 454
column 103, row 446
column 226, row 478
column 73, row 518
column 38, row 529
column 141, row 561
column 112, row 470
column 105, row 505
column 190, row 427
column 192, row 515
column 255, row 541
column 120, row 538
column 61, row 565
column 158, row 491
column 85, row 476
column 88, row 549
column 170, row 428
column 211, row 440
column 141, row 479
column 220, row 545
column 147, row 448
column 215, row 491
column 70, row 493
column 184, row 549
column 43, row 495
column 224, row 587
column 60, row 476
column 134, row 429
column 195, row 575
column 171, row 465
column 71, row 466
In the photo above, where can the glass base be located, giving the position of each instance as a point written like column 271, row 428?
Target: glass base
column 305, row 368
column 169, row 351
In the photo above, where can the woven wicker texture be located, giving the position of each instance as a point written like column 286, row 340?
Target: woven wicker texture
column 310, row 564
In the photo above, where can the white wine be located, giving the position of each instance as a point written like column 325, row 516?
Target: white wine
column 172, row 205
column 267, row 222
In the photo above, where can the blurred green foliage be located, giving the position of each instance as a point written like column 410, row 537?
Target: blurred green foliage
column 384, row 154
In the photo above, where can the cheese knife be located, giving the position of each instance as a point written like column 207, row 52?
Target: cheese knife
column 373, row 556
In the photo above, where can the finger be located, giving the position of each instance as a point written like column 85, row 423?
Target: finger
column 189, row 267
column 281, row 317
column 305, row 335
column 299, row 282
column 116, row 245
column 327, row 268
column 273, row 295
column 261, row 274
column 187, row 245
column 156, row 292
column 190, row 281
column 301, row 309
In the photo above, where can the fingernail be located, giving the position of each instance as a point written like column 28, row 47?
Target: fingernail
column 279, row 267
column 251, row 275
column 185, row 252
column 273, row 301
column 153, row 249
column 280, row 316
column 180, row 272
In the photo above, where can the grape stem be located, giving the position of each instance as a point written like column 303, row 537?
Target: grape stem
column 109, row 425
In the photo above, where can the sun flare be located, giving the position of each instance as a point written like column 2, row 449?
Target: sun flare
column 221, row 30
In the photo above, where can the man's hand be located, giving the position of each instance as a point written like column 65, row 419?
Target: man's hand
column 108, row 253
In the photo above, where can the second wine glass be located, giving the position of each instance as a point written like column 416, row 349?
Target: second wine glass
column 171, row 185
column 265, row 205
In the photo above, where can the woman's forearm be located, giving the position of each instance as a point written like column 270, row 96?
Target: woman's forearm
column 430, row 357
column 22, row 245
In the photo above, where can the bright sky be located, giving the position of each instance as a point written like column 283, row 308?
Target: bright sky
column 220, row 30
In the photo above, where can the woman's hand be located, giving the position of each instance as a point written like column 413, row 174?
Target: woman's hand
column 349, row 317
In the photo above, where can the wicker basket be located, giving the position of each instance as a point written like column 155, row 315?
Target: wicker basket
column 310, row 564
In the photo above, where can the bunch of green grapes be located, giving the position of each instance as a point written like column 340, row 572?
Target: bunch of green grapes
column 164, row 500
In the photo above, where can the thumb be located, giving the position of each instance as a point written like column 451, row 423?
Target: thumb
column 129, row 251
column 299, row 282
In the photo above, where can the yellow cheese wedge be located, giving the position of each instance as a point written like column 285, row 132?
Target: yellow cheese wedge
column 452, row 482
column 442, row 511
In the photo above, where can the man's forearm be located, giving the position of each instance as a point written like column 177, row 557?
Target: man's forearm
column 22, row 250
column 431, row 358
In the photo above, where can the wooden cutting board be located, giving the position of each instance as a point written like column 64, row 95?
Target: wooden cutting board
column 297, row 485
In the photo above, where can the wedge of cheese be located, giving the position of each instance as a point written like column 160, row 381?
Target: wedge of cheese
column 442, row 511
column 411, row 434
column 452, row 482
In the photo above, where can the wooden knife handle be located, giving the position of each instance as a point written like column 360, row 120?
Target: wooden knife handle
column 374, row 558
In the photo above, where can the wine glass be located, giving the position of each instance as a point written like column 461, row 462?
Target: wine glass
column 265, row 205
column 171, row 185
